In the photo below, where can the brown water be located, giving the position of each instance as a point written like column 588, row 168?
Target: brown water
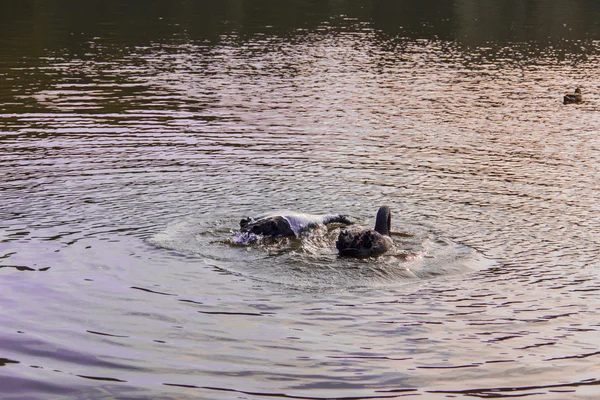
column 134, row 137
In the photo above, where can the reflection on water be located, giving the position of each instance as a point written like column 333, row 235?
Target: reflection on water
column 135, row 136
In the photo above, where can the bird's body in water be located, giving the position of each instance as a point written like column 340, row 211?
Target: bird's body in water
column 367, row 242
column 573, row 98
column 286, row 224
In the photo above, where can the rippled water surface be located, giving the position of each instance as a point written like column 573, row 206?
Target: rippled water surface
column 135, row 137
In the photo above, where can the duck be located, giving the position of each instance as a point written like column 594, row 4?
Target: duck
column 573, row 98
column 367, row 242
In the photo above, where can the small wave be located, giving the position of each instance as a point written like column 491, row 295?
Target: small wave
column 244, row 238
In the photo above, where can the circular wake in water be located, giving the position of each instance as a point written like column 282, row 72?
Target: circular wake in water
column 311, row 260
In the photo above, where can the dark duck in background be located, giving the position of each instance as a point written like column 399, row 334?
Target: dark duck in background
column 367, row 242
column 573, row 98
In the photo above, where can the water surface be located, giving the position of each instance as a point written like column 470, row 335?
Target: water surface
column 136, row 136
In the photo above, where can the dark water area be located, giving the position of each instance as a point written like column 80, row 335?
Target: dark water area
column 134, row 136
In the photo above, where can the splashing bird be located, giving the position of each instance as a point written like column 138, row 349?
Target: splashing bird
column 367, row 242
column 288, row 224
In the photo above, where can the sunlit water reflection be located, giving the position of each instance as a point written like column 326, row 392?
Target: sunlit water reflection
column 125, row 171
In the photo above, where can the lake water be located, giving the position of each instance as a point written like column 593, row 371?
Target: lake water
column 135, row 136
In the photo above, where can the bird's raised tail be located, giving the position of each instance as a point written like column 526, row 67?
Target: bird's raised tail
column 383, row 222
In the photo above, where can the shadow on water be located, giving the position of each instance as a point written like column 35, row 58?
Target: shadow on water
column 471, row 23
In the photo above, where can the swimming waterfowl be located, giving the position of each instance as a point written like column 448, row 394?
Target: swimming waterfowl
column 573, row 98
column 367, row 242
column 288, row 223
